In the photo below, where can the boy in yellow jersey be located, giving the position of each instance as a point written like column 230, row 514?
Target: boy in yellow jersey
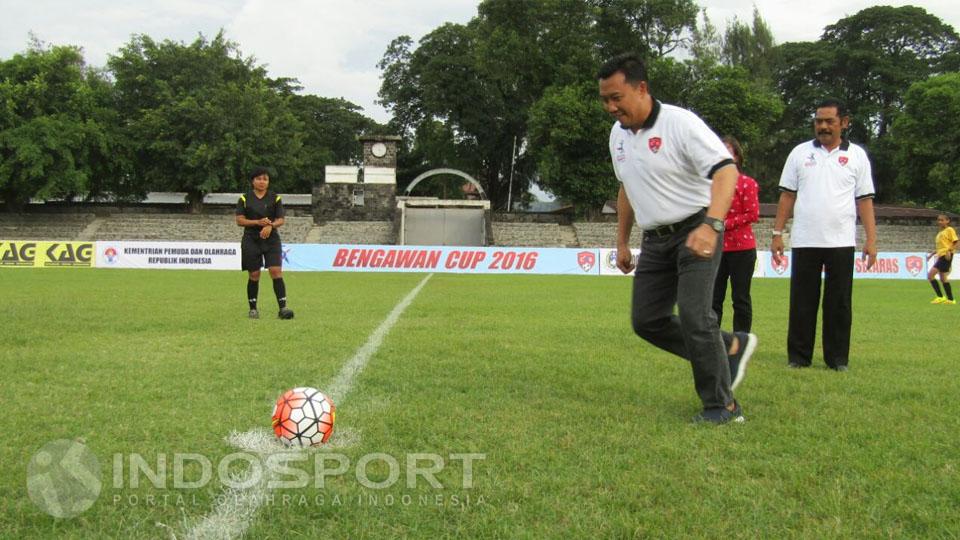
column 946, row 244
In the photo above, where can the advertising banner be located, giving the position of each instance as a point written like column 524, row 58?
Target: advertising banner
column 889, row 265
column 169, row 255
column 42, row 254
column 453, row 259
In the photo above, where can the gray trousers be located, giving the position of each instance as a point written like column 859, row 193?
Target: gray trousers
column 669, row 275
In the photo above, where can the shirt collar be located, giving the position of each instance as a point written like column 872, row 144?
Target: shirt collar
column 844, row 144
column 651, row 118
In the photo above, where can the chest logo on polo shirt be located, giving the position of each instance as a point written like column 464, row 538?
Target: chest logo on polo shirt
column 655, row 144
column 811, row 160
column 621, row 154
column 843, row 160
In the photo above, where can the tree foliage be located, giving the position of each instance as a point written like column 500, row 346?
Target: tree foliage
column 55, row 130
column 927, row 141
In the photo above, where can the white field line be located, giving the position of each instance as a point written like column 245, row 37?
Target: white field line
column 236, row 507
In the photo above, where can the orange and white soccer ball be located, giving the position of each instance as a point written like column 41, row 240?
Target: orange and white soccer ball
column 303, row 417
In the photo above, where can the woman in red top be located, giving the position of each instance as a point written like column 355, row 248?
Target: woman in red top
column 739, row 247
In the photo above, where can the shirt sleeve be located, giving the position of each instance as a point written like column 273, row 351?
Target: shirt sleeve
column 789, row 178
column 704, row 147
column 864, row 188
column 278, row 208
column 612, row 144
column 241, row 205
column 951, row 236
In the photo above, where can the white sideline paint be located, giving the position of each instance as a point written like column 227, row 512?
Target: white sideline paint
column 236, row 508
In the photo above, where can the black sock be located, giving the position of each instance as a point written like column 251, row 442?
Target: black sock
column 253, row 290
column 948, row 289
column 281, row 291
column 936, row 287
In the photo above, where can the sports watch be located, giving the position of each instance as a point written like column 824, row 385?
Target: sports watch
column 714, row 223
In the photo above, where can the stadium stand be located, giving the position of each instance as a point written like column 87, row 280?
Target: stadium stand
column 43, row 226
column 197, row 227
column 527, row 234
column 353, row 232
column 603, row 235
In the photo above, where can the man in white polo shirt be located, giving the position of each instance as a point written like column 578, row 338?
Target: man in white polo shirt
column 825, row 183
column 676, row 181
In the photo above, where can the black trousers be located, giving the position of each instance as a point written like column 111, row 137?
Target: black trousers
column 736, row 267
column 837, row 265
column 668, row 275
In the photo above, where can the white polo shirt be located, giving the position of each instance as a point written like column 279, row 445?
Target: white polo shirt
column 667, row 166
column 828, row 185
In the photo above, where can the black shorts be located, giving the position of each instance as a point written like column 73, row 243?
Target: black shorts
column 256, row 253
column 943, row 264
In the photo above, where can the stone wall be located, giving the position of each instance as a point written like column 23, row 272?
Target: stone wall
column 335, row 202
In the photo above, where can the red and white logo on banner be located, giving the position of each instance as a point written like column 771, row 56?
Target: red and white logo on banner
column 655, row 144
column 586, row 260
column 782, row 267
column 915, row 265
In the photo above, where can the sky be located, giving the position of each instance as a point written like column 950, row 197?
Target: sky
column 332, row 46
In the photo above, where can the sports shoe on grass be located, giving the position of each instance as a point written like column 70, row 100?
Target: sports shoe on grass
column 949, row 302
column 720, row 415
column 938, row 300
column 285, row 313
column 738, row 361
column 254, row 314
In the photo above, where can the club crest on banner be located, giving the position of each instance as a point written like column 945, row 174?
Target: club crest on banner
column 655, row 144
column 843, row 160
column 782, row 267
column 915, row 265
column 586, row 260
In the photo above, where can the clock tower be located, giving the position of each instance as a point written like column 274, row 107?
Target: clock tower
column 380, row 150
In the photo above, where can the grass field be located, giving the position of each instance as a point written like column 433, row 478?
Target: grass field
column 583, row 429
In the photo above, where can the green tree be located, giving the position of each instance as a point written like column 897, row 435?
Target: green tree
column 200, row 116
column 732, row 103
column 568, row 129
column 479, row 81
column 654, row 28
column 750, row 47
column 53, row 141
column 927, row 141
column 330, row 130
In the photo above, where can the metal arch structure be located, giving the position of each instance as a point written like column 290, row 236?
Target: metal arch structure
column 455, row 172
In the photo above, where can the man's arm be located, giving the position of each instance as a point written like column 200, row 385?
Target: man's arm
column 703, row 240
column 625, row 219
column 784, row 212
column 867, row 218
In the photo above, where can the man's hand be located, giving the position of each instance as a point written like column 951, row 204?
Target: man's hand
column 776, row 249
column 264, row 222
column 702, row 241
column 266, row 231
column 625, row 259
column 870, row 254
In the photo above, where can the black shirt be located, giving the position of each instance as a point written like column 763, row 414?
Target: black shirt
column 252, row 207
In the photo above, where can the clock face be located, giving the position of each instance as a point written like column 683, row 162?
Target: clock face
column 378, row 149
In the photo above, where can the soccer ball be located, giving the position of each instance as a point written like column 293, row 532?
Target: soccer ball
column 303, row 417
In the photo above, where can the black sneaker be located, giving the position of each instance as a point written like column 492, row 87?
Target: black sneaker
column 840, row 368
column 797, row 365
column 739, row 360
column 285, row 313
column 254, row 314
column 720, row 415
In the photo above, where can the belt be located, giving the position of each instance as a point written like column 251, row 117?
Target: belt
column 667, row 230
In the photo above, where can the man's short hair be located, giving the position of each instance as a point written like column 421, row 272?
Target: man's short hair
column 632, row 66
column 834, row 102
column 258, row 171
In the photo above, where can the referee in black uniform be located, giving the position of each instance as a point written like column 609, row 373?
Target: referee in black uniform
column 260, row 213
